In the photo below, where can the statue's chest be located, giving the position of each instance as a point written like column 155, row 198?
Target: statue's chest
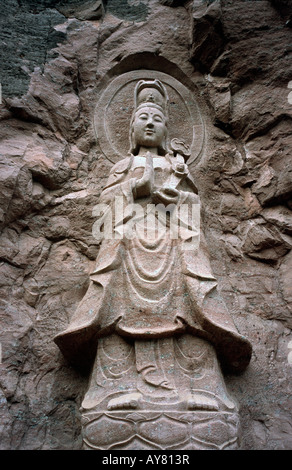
column 161, row 169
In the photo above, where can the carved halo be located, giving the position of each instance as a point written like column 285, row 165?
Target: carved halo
column 116, row 104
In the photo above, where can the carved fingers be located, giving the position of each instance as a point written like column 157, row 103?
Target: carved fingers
column 166, row 195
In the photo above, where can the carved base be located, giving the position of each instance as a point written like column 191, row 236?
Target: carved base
column 160, row 430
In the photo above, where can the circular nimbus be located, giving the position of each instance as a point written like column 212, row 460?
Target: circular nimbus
column 115, row 107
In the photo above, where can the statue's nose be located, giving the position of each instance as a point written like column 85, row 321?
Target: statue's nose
column 150, row 122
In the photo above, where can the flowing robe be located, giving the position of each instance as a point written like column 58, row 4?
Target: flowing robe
column 146, row 287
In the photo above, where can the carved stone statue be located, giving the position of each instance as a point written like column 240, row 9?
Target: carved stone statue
column 152, row 319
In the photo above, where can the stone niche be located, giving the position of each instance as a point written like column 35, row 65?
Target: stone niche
column 152, row 315
column 180, row 342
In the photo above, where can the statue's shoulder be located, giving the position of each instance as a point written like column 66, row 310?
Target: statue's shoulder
column 118, row 171
column 122, row 166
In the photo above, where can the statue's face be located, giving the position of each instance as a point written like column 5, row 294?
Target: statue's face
column 149, row 127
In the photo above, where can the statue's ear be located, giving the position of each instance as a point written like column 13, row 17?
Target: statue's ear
column 131, row 138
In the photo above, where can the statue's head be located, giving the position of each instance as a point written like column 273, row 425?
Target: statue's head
column 149, row 121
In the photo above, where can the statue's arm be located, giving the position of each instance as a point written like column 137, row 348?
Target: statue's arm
column 120, row 174
column 117, row 176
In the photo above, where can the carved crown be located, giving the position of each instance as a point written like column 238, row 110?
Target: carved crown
column 151, row 93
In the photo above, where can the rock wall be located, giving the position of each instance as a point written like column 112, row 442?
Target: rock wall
column 56, row 56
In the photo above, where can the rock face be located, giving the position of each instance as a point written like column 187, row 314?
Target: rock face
column 53, row 170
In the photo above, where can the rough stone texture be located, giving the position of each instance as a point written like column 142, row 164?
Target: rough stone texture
column 52, row 172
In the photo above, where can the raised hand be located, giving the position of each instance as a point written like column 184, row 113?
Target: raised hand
column 144, row 185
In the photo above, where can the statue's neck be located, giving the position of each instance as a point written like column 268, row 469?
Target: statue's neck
column 143, row 150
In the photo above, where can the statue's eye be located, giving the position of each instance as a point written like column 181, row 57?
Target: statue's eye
column 143, row 116
column 157, row 119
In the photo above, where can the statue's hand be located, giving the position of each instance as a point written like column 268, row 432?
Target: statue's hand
column 166, row 195
column 143, row 186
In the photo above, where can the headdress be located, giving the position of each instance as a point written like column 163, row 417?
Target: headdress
column 151, row 93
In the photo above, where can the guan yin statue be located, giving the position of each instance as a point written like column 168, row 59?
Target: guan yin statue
column 152, row 321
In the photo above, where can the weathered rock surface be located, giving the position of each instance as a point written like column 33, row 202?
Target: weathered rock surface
column 52, row 171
